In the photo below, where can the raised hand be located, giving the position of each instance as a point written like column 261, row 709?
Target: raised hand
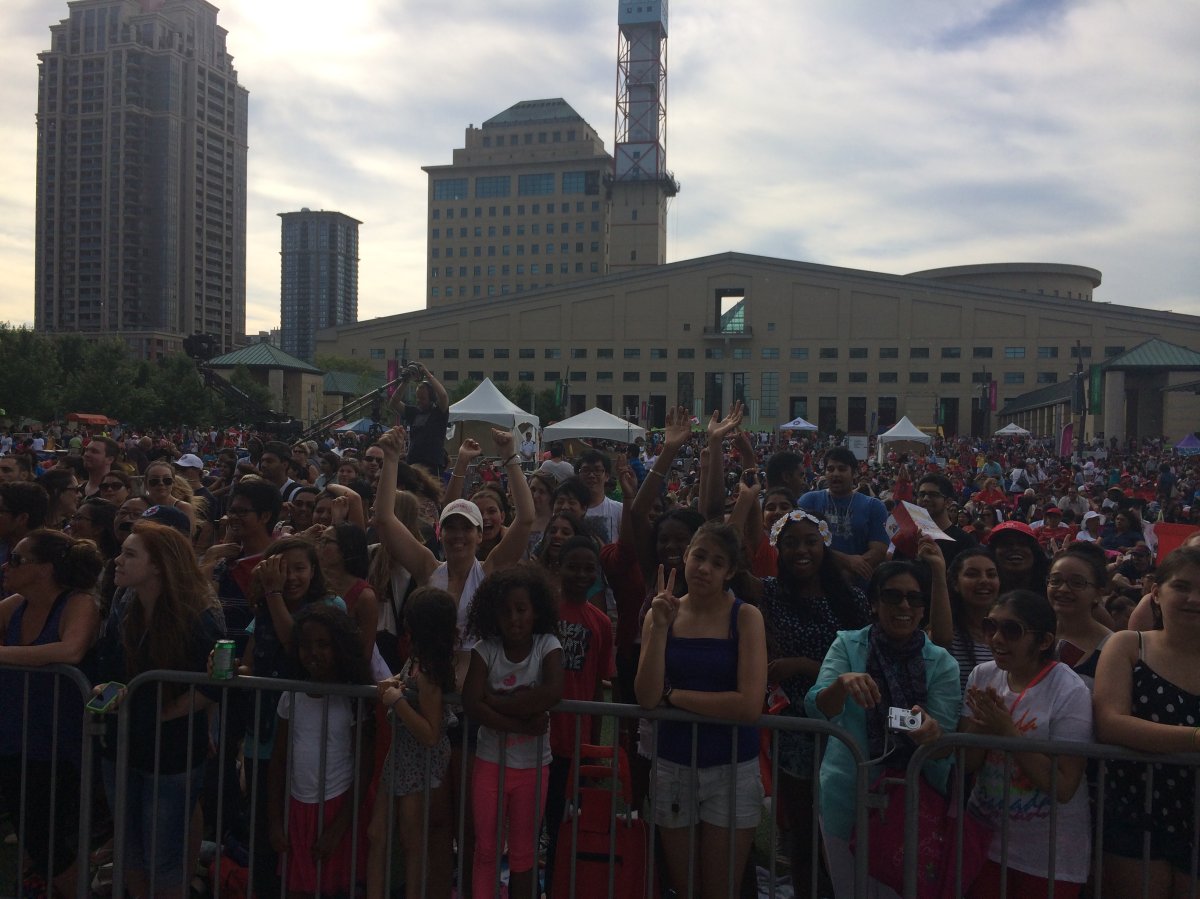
column 271, row 574
column 719, row 429
column 394, row 443
column 928, row 550
column 665, row 605
column 504, row 442
column 678, row 428
column 627, row 478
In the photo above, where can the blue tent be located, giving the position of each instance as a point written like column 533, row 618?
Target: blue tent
column 358, row 426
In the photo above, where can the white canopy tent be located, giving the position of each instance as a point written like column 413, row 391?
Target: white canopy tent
column 597, row 423
column 1012, row 429
column 903, row 437
column 798, row 424
column 487, row 403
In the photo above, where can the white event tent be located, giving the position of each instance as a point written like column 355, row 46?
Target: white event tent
column 903, row 437
column 596, row 423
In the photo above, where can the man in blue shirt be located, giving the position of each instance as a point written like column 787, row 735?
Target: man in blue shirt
column 856, row 520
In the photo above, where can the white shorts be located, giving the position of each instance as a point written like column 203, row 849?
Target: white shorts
column 681, row 796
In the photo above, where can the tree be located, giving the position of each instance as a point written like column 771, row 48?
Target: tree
column 258, row 393
column 546, row 407
column 179, row 395
column 368, row 374
column 30, row 376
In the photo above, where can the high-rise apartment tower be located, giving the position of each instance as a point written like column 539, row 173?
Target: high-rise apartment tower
column 641, row 184
column 318, row 276
column 141, row 176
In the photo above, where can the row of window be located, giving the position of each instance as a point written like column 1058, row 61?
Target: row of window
column 507, row 249
column 527, row 137
column 507, row 230
column 563, row 208
column 922, row 377
column 947, row 352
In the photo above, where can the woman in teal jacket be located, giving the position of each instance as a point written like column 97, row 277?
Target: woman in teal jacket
column 889, row 664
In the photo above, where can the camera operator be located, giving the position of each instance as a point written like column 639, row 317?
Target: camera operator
column 426, row 420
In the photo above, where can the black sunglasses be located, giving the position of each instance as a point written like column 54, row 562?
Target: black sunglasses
column 1010, row 629
column 893, row 597
column 160, row 482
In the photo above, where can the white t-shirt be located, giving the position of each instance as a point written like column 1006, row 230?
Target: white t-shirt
column 304, row 741
column 505, row 676
column 1058, row 707
column 441, row 579
column 607, row 513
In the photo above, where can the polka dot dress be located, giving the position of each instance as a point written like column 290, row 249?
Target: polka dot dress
column 1156, row 699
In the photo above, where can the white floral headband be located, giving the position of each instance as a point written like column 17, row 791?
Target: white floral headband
column 800, row 515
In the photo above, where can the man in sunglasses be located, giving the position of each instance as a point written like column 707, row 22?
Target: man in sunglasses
column 23, row 507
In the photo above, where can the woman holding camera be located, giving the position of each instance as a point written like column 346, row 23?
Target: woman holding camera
column 893, row 689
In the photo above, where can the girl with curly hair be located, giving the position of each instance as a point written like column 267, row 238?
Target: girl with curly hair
column 515, row 677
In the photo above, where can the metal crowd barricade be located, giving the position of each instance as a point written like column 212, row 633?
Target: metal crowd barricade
column 67, row 681
column 960, row 743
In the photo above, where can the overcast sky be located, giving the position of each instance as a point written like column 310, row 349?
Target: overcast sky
column 863, row 133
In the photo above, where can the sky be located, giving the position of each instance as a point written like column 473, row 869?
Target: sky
column 869, row 134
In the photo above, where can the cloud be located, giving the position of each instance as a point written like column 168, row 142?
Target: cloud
column 892, row 137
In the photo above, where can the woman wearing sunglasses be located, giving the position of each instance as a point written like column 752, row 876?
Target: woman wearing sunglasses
column 116, row 487
column 160, row 488
column 888, row 664
column 1025, row 692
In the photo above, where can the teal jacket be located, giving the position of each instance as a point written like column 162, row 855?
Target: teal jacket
column 944, row 702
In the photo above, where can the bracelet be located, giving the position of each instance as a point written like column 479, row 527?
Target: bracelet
column 512, row 457
column 659, row 473
column 455, row 474
column 666, row 697
column 274, row 593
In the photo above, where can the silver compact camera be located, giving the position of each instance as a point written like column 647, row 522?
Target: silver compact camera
column 903, row 719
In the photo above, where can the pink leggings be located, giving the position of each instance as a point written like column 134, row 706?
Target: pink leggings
column 523, row 807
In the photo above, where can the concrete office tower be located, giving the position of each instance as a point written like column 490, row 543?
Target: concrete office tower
column 522, row 206
column 141, row 177
column 318, row 277
column 641, row 183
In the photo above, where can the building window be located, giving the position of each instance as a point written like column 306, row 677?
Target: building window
column 829, row 352
column 1047, row 352
column 950, row 377
column 981, row 352
column 685, row 352
column 858, row 352
column 500, row 376
column 525, row 375
column 951, row 352
column 918, row 377
column 450, row 189
column 535, row 185
column 377, row 353
column 1014, row 377
column 604, row 376
column 1110, row 351
column 1014, row 352
column 888, row 377
column 658, row 376
column 500, row 353
column 578, row 353
column 631, row 376
column 552, row 375
column 798, row 377
column 552, row 353
column 714, row 352
column 918, row 352
column 475, row 353
column 827, row 377
column 425, row 353
column 742, row 353
column 1047, row 377
column 526, row 353
column 768, row 394
column 633, row 353
column 889, row 352
column 799, row 352
column 658, row 352
column 450, row 375
column 981, row 377
column 604, row 353
column 857, row 377
column 578, row 377
column 474, row 376
column 1081, row 352
column 450, row 353
column 770, row 352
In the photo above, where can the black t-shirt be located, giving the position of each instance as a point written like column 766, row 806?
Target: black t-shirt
column 427, row 435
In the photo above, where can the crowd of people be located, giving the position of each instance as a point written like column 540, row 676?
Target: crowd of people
column 702, row 570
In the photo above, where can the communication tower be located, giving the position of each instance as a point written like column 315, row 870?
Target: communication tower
column 641, row 183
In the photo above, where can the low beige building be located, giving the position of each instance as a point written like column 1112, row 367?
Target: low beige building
column 850, row 350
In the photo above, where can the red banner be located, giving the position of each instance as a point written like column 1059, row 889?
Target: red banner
column 1066, row 440
column 992, row 396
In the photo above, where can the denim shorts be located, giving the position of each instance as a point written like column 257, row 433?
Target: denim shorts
column 681, row 796
column 157, row 811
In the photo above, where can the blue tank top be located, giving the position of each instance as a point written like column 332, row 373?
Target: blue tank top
column 40, row 720
column 708, row 664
